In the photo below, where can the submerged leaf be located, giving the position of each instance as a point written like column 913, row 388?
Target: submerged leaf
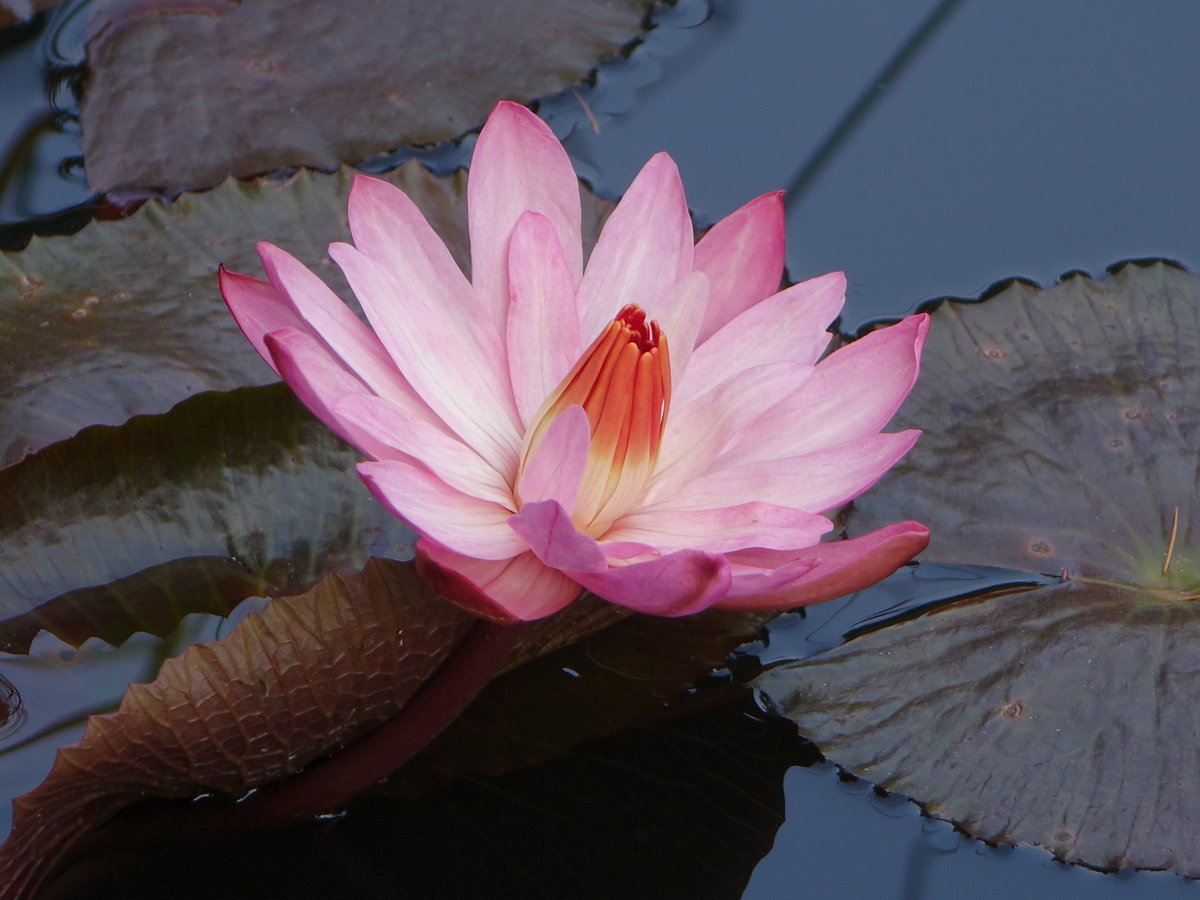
column 124, row 318
column 418, row 73
column 1067, row 427
column 130, row 528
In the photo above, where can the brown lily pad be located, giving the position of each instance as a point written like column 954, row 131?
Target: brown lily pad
column 1061, row 431
column 278, row 90
column 129, row 528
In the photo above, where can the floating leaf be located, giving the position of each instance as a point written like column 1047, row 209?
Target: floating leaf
column 1062, row 430
column 308, row 674
column 237, row 88
column 228, row 495
column 124, row 318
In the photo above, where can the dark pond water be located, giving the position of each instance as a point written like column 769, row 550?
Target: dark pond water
column 932, row 149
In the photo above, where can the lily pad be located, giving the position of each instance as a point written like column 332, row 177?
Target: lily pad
column 228, row 495
column 418, row 73
column 1061, row 435
column 124, row 318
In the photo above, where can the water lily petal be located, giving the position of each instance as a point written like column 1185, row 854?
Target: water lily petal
column 677, row 584
column 851, row 393
column 507, row 590
column 258, row 309
column 743, row 255
column 680, row 313
column 321, row 382
column 723, row 529
column 789, row 326
column 673, row 585
column 555, row 469
column 518, row 165
column 441, row 452
column 703, row 428
column 458, row 381
column 543, row 321
column 644, row 248
column 814, row 481
column 830, row 570
column 328, row 319
column 472, row 525
column 388, row 227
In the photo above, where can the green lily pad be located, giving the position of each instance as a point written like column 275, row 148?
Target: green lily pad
column 129, row 528
column 125, row 318
column 1062, row 433
column 276, row 91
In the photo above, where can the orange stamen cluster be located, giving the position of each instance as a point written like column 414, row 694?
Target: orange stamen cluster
column 623, row 383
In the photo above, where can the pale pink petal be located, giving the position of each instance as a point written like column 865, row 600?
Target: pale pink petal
column 388, row 227
column 788, row 326
column 833, row 569
column 258, row 309
column 328, row 319
column 518, row 166
column 321, row 382
column 743, row 256
column 673, row 585
column 470, row 525
column 853, row 392
column 507, row 590
column 816, row 481
column 679, row 314
column 441, row 358
column 544, row 341
column 441, row 452
column 555, row 469
column 722, row 530
column 644, row 248
column 702, row 429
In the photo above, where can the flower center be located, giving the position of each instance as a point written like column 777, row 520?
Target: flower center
column 623, row 383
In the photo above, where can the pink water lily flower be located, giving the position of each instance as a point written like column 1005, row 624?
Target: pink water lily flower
column 654, row 427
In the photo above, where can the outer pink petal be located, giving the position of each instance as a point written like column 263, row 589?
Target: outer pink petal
column 544, row 341
column 388, row 227
column 518, row 165
column 644, row 248
column 555, row 469
column 441, row 452
column 470, row 525
column 788, row 326
column 853, row 392
column 258, row 309
column 722, row 530
column 673, row 585
column 677, row 584
column 442, row 356
column 507, row 590
column 699, row 432
column 743, row 255
column 327, row 318
column 832, row 569
column 321, row 382
column 815, row 481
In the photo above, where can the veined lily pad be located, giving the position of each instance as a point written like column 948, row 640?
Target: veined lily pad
column 125, row 318
column 228, row 495
column 1062, row 434
column 277, row 90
